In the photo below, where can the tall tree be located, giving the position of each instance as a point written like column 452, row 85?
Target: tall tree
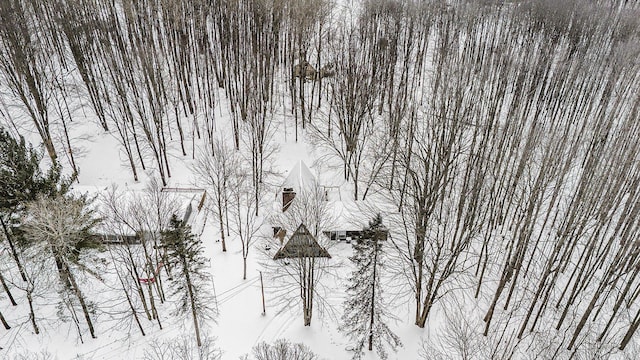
column 350, row 129
column 22, row 181
column 303, row 277
column 185, row 256
column 365, row 311
column 214, row 168
column 243, row 208
column 146, row 215
column 59, row 227
column 26, row 67
column 302, row 261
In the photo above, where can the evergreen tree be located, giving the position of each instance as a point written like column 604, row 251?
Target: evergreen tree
column 364, row 310
column 21, row 177
column 185, row 256
column 22, row 181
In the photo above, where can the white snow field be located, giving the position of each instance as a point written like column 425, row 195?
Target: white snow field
column 240, row 324
column 498, row 140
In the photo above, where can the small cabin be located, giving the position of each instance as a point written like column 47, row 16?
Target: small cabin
column 345, row 219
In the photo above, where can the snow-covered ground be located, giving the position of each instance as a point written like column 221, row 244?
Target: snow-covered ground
column 240, row 324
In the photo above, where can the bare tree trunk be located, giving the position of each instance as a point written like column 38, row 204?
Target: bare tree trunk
column 192, row 301
column 4, row 322
column 632, row 329
column 6, row 290
column 220, row 218
column 134, row 312
column 32, row 314
column 133, row 271
column 244, row 267
column 373, row 290
column 83, row 304
column 307, row 288
column 14, row 253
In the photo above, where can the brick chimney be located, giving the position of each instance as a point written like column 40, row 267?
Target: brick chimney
column 287, row 197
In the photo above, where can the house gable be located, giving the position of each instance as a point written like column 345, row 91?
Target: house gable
column 301, row 244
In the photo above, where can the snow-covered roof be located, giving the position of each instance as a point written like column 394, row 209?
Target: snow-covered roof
column 187, row 201
column 300, row 178
column 347, row 215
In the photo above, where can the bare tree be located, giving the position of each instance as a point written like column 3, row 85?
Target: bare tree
column 214, row 168
column 144, row 214
column 282, row 350
column 243, row 210
column 60, row 225
column 309, row 207
column 350, row 123
column 181, row 348
column 27, row 68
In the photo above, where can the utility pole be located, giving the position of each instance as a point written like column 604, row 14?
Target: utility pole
column 213, row 285
column 264, row 310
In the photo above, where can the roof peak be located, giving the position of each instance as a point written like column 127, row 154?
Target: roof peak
column 300, row 177
column 301, row 244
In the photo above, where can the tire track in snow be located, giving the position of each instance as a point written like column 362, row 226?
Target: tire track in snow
column 285, row 325
column 116, row 353
column 280, row 329
column 235, row 291
column 119, row 351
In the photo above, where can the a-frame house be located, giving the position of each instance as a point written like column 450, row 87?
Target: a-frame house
column 301, row 245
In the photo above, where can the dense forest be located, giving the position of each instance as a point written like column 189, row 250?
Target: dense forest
column 503, row 135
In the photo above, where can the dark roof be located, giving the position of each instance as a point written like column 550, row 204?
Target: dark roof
column 301, row 244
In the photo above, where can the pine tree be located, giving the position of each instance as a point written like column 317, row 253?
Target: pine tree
column 22, row 181
column 21, row 176
column 185, row 256
column 364, row 310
